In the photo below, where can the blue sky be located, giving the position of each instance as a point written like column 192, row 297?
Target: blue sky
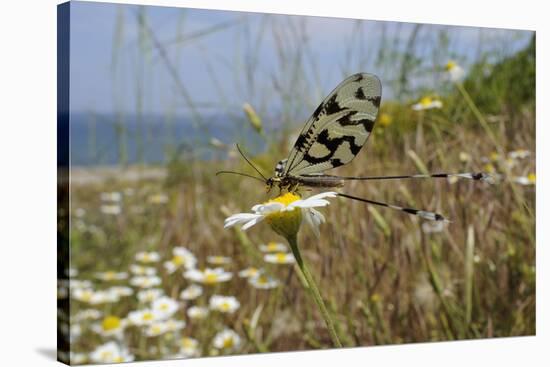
column 252, row 58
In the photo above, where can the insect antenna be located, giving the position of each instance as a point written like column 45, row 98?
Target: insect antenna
column 250, row 163
column 240, row 174
column 476, row 176
column 420, row 213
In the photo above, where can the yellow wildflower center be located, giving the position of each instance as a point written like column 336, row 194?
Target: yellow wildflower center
column 118, row 359
column 426, row 101
column 187, row 343
column 225, row 306
column 156, row 329
column 272, row 246
column 106, row 355
column 281, row 257
column 110, row 323
column 87, row 295
column 285, row 223
column 450, row 65
column 164, row 307
column 109, row 275
column 178, row 260
column 228, row 343
column 262, row 279
column 385, row 119
column 147, row 316
column 211, row 278
column 494, row 156
column 531, row 177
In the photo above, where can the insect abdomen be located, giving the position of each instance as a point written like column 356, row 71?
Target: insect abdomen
column 319, row 181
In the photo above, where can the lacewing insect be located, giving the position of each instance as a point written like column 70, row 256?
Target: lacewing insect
column 333, row 136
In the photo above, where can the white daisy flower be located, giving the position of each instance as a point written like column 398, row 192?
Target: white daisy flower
column 145, row 281
column 192, row 292
column 112, row 209
column 282, row 215
column 111, row 276
column 174, row 325
column 250, row 272
column 121, row 291
column 427, row 103
column 111, row 196
column 519, row 154
column 208, row 276
column 182, row 257
column 87, row 314
column 197, row 312
column 110, row 326
column 280, row 258
column 455, row 73
column 147, row 257
column 94, row 297
column 218, row 260
column 144, row 317
column 149, row 295
column 227, row 340
column 165, row 306
column 224, row 304
column 79, row 284
column 273, row 247
column 528, row 180
column 143, row 270
column 263, row 282
column 78, row 358
column 111, row 352
column 189, row 347
column 155, row 329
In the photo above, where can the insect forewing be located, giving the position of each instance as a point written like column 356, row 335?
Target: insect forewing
column 338, row 128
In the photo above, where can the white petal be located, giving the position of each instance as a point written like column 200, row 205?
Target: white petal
column 258, row 219
column 308, row 215
column 238, row 218
column 322, row 195
column 307, row 204
column 268, row 208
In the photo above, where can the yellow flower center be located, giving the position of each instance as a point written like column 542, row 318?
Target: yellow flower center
column 285, row 223
column 118, row 359
column 211, row 278
column 147, row 316
column 225, row 306
column 450, row 65
column 187, row 343
column 494, row 156
column 385, row 119
column 531, row 177
column 426, row 101
column 87, row 296
column 280, row 257
column 164, row 307
column 155, row 329
column 106, row 355
column 262, row 279
column 110, row 323
column 178, row 260
column 109, row 275
column 272, row 246
column 228, row 343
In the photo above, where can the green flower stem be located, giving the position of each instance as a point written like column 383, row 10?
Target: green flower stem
column 292, row 240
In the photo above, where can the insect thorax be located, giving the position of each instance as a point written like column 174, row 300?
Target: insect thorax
column 280, row 168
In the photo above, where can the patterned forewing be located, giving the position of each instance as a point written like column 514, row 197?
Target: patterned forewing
column 338, row 128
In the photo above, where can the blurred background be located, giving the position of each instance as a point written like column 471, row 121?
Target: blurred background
column 159, row 98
